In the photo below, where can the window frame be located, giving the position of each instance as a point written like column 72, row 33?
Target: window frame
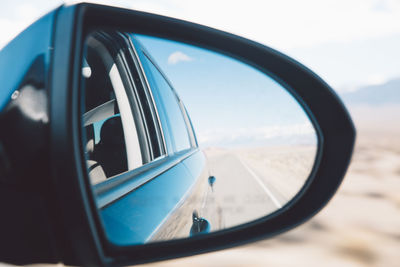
column 118, row 186
column 134, row 64
column 113, row 42
column 133, row 137
column 188, row 125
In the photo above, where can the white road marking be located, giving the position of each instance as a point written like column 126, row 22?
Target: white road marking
column 260, row 182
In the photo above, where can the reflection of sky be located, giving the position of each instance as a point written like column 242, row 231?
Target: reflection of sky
column 226, row 98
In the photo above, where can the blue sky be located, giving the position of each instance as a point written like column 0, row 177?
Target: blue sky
column 227, row 99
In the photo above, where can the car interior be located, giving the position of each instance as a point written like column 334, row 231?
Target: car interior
column 105, row 141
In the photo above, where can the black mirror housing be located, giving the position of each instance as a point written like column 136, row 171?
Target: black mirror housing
column 75, row 234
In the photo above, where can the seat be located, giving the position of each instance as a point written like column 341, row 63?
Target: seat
column 110, row 152
column 96, row 173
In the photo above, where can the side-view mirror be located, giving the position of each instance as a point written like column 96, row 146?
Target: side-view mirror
column 131, row 137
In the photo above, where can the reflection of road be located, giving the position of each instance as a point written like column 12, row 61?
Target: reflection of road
column 262, row 185
column 240, row 194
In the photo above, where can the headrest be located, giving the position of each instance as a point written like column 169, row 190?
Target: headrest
column 111, row 132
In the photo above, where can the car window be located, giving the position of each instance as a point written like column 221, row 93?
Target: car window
column 112, row 140
column 168, row 101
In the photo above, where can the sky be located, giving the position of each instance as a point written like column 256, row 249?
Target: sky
column 229, row 102
column 349, row 43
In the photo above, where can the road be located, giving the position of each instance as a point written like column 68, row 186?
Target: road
column 240, row 193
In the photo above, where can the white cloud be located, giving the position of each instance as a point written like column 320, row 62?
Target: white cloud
column 376, row 79
column 177, row 57
column 22, row 16
column 281, row 24
column 27, row 11
column 8, row 30
column 288, row 23
column 284, row 25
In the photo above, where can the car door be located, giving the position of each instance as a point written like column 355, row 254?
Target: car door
column 142, row 155
column 201, row 204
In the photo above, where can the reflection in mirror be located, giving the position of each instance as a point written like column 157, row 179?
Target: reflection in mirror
column 182, row 141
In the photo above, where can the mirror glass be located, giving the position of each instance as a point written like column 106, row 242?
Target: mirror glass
column 182, row 141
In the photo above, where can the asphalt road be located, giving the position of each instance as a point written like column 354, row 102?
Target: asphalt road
column 240, row 194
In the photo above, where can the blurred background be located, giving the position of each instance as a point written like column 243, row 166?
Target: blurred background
column 354, row 45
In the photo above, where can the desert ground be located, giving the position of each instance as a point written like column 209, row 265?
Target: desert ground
column 360, row 226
